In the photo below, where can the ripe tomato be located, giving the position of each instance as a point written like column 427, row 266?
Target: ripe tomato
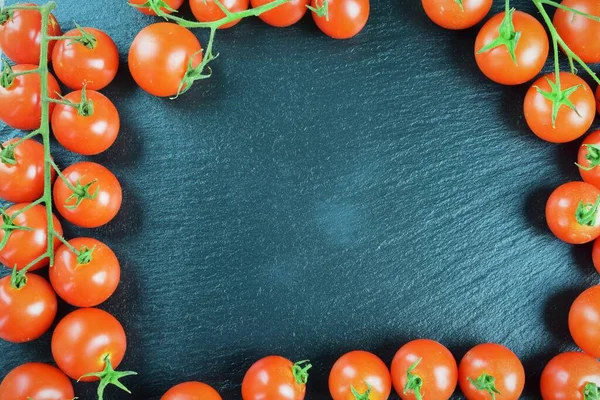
column 92, row 65
column 159, row 57
column 20, row 36
column 27, row 310
column 209, row 11
column 98, row 193
column 424, row 369
column 489, row 369
column 596, row 255
column 598, row 99
column 578, row 31
column 360, row 373
column 531, row 50
column 584, row 322
column 571, row 212
column 275, row 378
column 284, row 15
column 89, row 132
column 450, row 14
column 567, row 375
column 174, row 4
column 88, row 279
column 588, row 159
column 191, row 391
column 568, row 124
column 20, row 103
column 25, row 246
column 341, row 19
column 36, row 381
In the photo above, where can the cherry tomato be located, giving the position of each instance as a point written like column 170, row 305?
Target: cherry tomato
column 344, row 18
column 84, row 339
column 27, row 310
column 426, row 367
column 159, row 57
column 531, row 50
column 569, row 124
column 92, row 64
column 98, row 204
column 579, row 32
column 88, row 279
column 174, row 4
column 450, row 14
column 567, row 375
column 284, row 15
column 584, row 321
column 20, row 103
column 360, row 372
column 20, row 36
column 571, row 212
column 596, row 255
column 87, row 131
column 209, row 11
column 25, row 246
column 275, row 378
column 489, row 369
column 191, row 391
column 588, row 159
column 36, row 381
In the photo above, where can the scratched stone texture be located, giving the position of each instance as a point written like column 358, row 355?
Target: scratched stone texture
column 319, row 196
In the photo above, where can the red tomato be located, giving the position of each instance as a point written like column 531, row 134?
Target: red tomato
column 275, row 378
column 584, row 321
column 425, row 367
column 159, row 57
column 450, row 14
column 25, row 246
column 20, row 36
column 531, row 50
column 569, row 124
column 92, row 65
column 284, row 15
column 191, row 391
column 567, row 375
column 360, row 373
column 86, row 131
column 36, row 381
column 579, row 32
column 598, row 99
column 20, row 103
column 208, row 11
column 596, row 255
column 23, row 181
column 88, row 279
column 27, row 310
column 489, row 369
column 571, row 212
column 98, row 204
column 588, row 159
column 341, row 19
column 174, row 4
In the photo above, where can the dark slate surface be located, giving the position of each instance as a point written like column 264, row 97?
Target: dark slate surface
column 319, row 196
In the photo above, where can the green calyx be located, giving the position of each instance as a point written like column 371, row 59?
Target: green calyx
column 592, row 156
column 323, row 9
column 361, row 396
column 559, row 98
column 506, row 37
column 155, row 5
column 300, row 371
column 486, row 383
column 7, row 155
column 591, row 391
column 5, row 16
column 200, row 72
column 7, row 77
column 9, row 226
column 18, row 279
column 85, row 107
column 85, row 38
column 80, row 193
column 414, row 383
column 586, row 213
column 460, row 4
column 84, row 255
column 109, row 377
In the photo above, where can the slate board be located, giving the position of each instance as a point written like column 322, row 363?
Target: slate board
column 319, row 196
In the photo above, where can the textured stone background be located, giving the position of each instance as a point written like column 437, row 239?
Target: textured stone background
column 319, row 196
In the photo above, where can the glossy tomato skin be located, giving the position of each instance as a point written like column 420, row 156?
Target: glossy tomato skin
column 566, row 375
column 77, row 65
column 583, row 321
column 83, row 339
column 174, row 4
column 579, row 32
column 27, row 313
column 568, row 125
column 598, row 99
column 437, row 369
column 591, row 176
column 531, row 52
column 494, row 360
column 85, row 285
column 36, row 381
column 449, row 15
column 561, row 211
column 20, row 36
column 24, row 246
column 346, row 17
column 86, row 134
column 20, row 103
column 159, row 57
column 191, row 391
column 360, row 370
column 208, row 11
column 284, row 15
column 91, row 213
column 272, row 378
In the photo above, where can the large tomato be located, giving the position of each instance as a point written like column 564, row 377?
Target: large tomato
column 588, row 159
column 343, row 19
column 360, row 372
column 275, row 378
column 584, row 321
column 191, row 391
column 36, row 381
column 173, row 4
column 284, row 15
column 569, row 375
column 451, row 14
column 209, row 11
column 578, row 31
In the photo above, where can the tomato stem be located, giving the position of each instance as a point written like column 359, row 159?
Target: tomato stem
column 591, row 391
column 109, row 377
column 414, row 382
column 592, row 156
column 486, row 383
column 460, row 4
column 301, row 372
column 323, row 10
column 586, row 213
column 361, row 396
